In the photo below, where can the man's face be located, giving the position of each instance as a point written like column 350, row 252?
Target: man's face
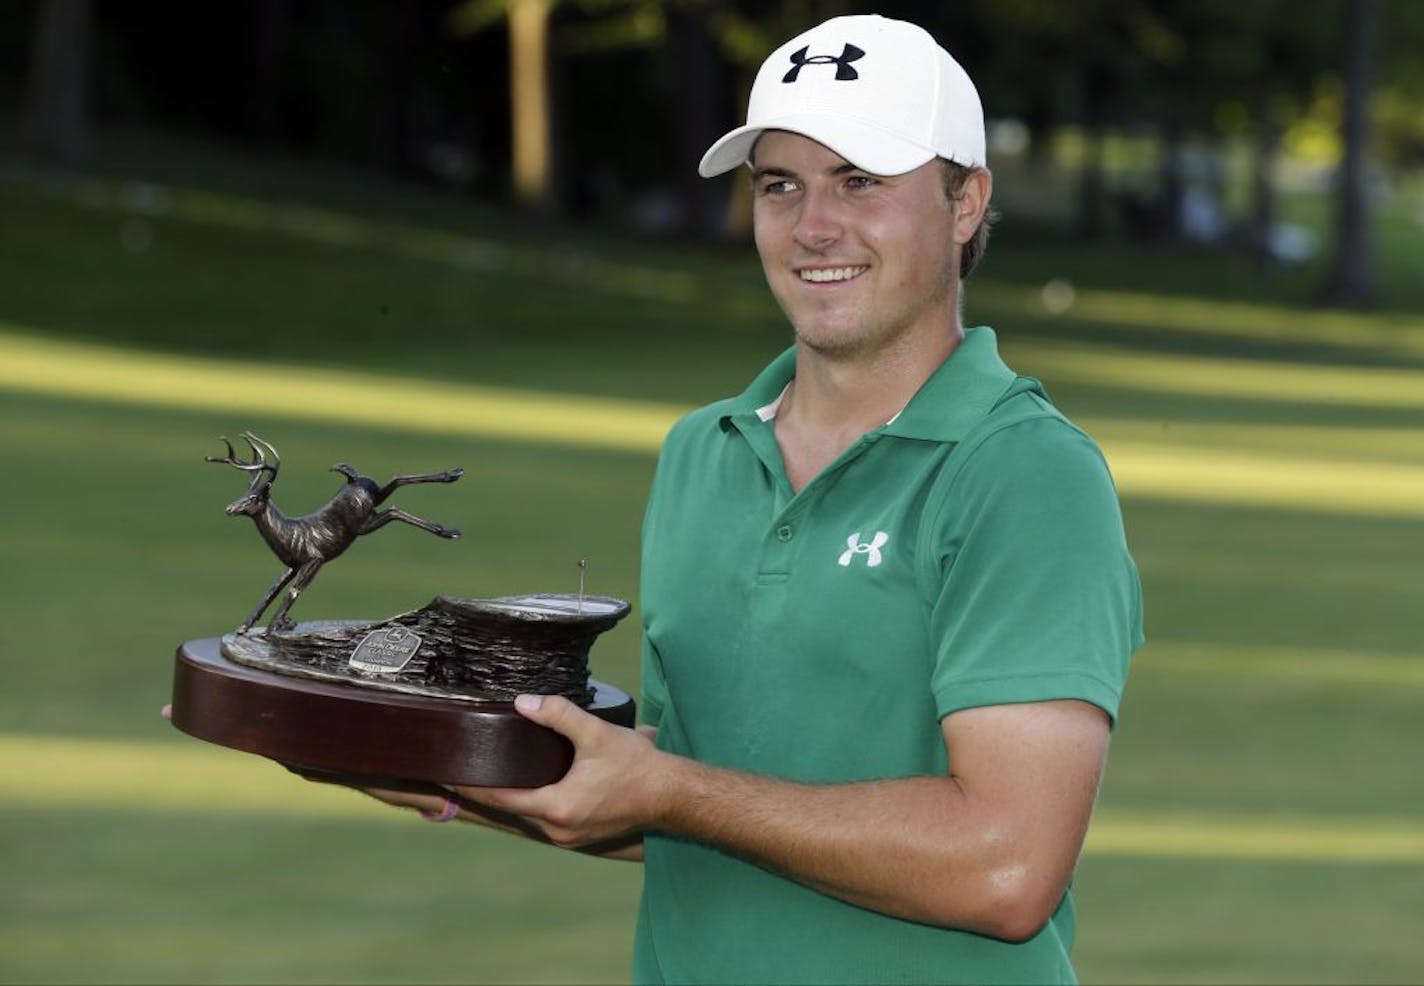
column 857, row 261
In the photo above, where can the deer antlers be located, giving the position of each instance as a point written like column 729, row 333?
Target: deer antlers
column 260, row 451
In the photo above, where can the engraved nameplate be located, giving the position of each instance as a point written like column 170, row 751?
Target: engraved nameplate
column 385, row 651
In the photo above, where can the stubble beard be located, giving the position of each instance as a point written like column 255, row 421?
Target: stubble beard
column 849, row 343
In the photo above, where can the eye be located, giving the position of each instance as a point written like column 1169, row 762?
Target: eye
column 777, row 186
column 862, row 181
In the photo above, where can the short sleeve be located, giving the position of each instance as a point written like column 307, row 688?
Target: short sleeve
column 1036, row 596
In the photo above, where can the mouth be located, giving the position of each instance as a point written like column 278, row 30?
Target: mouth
column 828, row 275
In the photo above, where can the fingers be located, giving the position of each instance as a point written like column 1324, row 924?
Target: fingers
column 424, row 803
column 505, row 802
column 560, row 715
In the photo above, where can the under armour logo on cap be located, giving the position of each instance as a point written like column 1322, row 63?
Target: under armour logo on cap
column 844, row 72
column 871, row 550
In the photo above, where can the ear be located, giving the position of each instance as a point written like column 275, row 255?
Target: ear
column 972, row 205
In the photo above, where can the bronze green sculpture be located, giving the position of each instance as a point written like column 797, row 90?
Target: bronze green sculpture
column 414, row 699
column 304, row 544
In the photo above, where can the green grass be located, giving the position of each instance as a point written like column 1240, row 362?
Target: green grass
column 114, row 548
column 1247, row 923
column 292, row 901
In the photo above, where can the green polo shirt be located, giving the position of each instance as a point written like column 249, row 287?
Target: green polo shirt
column 970, row 552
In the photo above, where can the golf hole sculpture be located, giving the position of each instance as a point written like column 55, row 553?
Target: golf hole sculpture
column 422, row 697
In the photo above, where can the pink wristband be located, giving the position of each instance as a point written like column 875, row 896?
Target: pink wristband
column 448, row 811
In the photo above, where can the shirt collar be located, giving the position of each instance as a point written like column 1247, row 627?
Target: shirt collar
column 760, row 401
column 959, row 393
column 955, row 397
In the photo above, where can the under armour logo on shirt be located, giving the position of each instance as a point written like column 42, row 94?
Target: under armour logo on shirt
column 871, row 550
column 844, row 72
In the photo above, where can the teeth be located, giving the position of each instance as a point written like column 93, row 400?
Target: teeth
column 819, row 274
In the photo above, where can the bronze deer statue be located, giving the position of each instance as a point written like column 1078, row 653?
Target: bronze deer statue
column 304, row 544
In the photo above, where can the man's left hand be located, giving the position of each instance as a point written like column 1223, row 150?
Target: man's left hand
column 612, row 790
column 610, row 795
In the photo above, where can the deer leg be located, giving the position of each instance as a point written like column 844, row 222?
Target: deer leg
column 277, row 587
column 383, row 517
column 448, row 476
column 305, row 574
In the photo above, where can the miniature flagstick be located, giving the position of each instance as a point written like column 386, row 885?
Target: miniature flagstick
column 583, row 566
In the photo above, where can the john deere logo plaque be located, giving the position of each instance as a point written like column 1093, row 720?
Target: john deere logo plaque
column 385, row 651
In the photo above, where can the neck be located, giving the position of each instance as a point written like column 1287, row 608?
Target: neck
column 832, row 402
column 857, row 393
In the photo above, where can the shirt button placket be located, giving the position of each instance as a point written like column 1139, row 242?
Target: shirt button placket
column 776, row 549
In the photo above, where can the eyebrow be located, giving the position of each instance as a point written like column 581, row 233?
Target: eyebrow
column 774, row 172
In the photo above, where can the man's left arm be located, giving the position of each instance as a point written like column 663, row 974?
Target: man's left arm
column 989, row 847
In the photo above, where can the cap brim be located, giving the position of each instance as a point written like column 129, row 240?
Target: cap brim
column 864, row 145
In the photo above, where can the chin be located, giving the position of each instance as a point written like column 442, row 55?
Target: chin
column 833, row 342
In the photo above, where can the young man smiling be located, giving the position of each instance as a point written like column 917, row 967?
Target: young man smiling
column 887, row 602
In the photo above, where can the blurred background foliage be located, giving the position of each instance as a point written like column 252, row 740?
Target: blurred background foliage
column 1178, row 120
column 413, row 235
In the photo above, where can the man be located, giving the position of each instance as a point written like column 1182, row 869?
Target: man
column 887, row 603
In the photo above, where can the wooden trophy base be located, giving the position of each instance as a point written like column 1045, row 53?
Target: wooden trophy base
column 367, row 738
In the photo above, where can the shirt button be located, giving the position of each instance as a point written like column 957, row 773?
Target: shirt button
column 783, row 533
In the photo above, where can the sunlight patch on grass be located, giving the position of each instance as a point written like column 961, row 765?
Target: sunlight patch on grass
column 30, row 363
column 1385, row 444
column 94, row 372
column 1152, row 313
column 48, row 771
column 1359, row 840
column 105, row 775
column 1211, row 376
column 1241, row 477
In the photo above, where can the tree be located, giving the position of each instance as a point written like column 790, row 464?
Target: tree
column 266, row 35
column 55, row 127
column 1352, row 274
column 528, row 25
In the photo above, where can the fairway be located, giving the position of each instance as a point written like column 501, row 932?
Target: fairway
column 1261, row 820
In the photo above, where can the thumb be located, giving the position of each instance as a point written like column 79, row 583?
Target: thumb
column 560, row 715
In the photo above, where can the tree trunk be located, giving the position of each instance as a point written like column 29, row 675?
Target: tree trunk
column 391, row 142
column 696, row 54
column 264, row 68
column 55, row 127
column 1352, row 274
column 1038, row 156
column 737, row 221
column 529, row 101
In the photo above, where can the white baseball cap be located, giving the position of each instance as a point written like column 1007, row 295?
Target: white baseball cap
column 881, row 93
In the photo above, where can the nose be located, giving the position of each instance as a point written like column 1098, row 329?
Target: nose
column 818, row 224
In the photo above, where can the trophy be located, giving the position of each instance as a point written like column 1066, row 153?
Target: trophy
column 415, row 700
